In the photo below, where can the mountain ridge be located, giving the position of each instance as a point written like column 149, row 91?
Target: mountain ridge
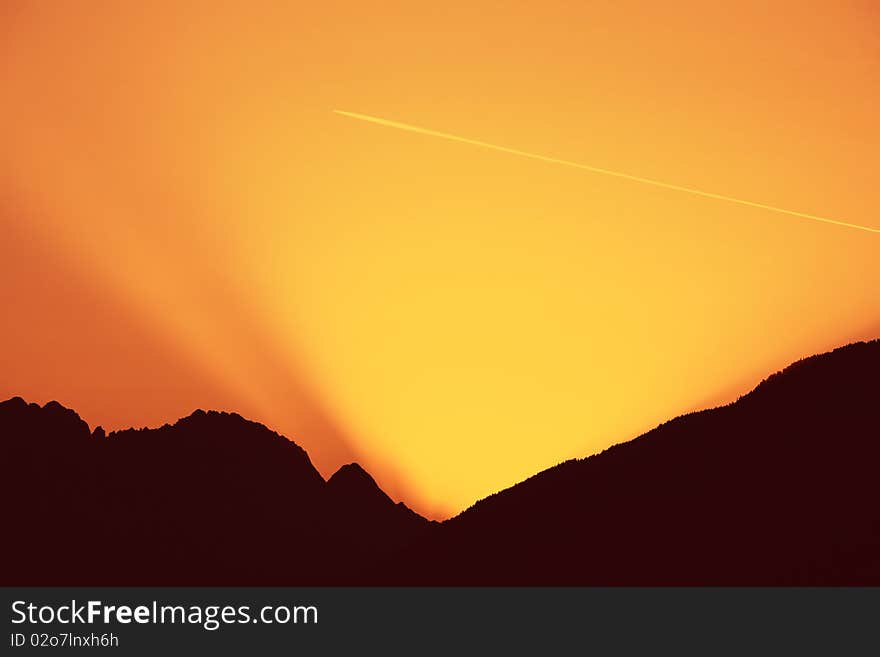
column 776, row 487
column 768, row 381
column 765, row 490
column 181, row 503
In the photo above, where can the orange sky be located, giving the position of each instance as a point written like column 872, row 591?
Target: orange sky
column 187, row 224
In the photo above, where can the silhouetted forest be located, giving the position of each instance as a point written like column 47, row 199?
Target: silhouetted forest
column 776, row 488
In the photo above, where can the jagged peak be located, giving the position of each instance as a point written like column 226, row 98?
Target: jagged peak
column 352, row 479
column 352, row 472
column 51, row 412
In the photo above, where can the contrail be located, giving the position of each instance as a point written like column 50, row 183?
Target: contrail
column 606, row 172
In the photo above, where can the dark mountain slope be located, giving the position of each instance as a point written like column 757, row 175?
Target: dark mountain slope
column 212, row 499
column 361, row 508
column 780, row 487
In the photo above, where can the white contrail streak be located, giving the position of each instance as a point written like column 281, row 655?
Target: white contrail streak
column 606, row 172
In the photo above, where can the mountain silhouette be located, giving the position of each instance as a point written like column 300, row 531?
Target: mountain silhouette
column 776, row 488
column 213, row 498
column 364, row 511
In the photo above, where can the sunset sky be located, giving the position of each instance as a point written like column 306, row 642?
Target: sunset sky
column 187, row 224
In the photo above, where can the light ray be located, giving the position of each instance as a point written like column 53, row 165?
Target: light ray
column 606, row 172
